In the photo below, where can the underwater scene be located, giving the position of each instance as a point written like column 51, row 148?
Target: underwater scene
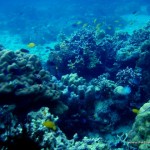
column 75, row 75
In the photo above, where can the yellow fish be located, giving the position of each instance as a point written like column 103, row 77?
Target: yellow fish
column 31, row 45
column 50, row 124
column 135, row 111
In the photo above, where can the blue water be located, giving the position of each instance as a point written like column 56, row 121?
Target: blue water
column 45, row 19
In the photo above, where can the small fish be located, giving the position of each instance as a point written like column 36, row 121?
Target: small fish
column 85, row 25
column 131, row 22
column 109, row 27
column 79, row 22
column 24, row 50
column 56, row 67
column 98, row 26
column 31, row 45
column 116, row 21
column 134, row 12
column 94, row 21
column 135, row 111
column 47, row 47
column 76, row 24
column 120, row 25
column 117, row 28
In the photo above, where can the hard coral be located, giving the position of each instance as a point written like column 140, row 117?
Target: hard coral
column 79, row 53
column 24, row 82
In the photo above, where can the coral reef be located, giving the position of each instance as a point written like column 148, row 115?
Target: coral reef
column 100, row 80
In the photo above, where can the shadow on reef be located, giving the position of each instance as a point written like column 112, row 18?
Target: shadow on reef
column 20, row 142
column 75, row 123
column 81, row 122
